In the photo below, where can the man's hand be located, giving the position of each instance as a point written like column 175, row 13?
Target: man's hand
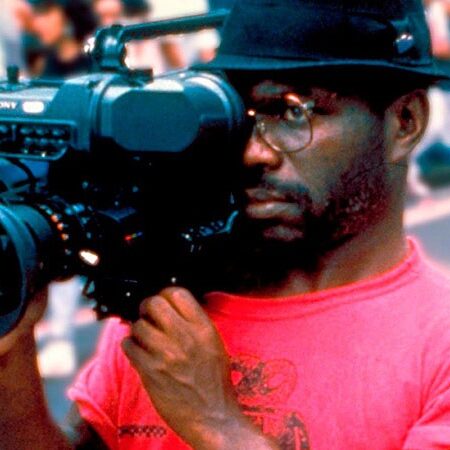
column 183, row 365
column 21, row 393
column 33, row 313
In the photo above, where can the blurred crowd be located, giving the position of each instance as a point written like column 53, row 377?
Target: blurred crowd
column 431, row 164
column 46, row 38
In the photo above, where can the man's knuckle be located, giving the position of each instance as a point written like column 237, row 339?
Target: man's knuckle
column 145, row 306
column 207, row 332
column 139, row 329
column 168, row 358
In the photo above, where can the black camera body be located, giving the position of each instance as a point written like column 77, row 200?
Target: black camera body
column 122, row 178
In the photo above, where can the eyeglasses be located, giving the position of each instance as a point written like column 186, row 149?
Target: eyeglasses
column 285, row 124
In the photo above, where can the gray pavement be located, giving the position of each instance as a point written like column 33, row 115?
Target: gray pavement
column 86, row 337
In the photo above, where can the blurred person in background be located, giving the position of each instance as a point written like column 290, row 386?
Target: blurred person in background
column 164, row 53
column 62, row 26
column 30, row 53
column 153, row 53
column 34, row 55
column 108, row 12
column 195, row 47
column 439, row 20
column 10, row 45
column 158, row 54
column 20, row 47
column 136, row 11
column 431, row 161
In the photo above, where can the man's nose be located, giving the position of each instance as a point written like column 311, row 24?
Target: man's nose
column 259, row 153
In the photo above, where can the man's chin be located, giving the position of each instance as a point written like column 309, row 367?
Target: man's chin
column 271, row 229
column 281, row 233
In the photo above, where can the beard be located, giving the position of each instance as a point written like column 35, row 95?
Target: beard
column 263, row 251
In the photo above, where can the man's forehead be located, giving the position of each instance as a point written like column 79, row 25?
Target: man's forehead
column 269, row 89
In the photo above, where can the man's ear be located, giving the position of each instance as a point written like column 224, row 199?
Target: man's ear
column 407, row 120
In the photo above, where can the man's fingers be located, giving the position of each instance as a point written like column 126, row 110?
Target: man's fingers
column 185, row 304
column 148, row 337
column 137, row 355
column 150, row 368
column 161, row 313
column 176, row 313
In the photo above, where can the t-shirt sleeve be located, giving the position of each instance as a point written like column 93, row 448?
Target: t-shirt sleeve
column 432, row 429
column 96, row 390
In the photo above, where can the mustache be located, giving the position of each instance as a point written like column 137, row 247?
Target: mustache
column 290, row 191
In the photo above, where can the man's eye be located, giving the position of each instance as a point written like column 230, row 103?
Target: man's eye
column 294, row 113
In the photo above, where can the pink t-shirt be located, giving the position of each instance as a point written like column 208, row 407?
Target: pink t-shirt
column 364, row 366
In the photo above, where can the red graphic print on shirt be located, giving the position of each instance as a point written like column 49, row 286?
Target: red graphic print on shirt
column 262, row 388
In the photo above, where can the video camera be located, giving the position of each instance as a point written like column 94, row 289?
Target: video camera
column 123, row 178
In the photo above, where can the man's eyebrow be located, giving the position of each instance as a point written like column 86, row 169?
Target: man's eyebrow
column 269, row 90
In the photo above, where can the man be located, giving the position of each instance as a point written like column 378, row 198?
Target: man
column 334, row 333
column 9, row 38
column 62, row 26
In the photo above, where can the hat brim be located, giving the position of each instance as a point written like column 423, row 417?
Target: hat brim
column 228, row 62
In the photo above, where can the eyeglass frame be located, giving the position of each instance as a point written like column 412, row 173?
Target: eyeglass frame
column 260, row 123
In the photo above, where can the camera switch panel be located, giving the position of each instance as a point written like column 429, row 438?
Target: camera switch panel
column 48, row 141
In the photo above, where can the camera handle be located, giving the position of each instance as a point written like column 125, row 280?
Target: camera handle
column 108, row 47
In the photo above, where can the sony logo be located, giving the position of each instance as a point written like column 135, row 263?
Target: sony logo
column 8, row 105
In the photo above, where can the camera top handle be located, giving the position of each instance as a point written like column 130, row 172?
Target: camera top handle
column 108, row 49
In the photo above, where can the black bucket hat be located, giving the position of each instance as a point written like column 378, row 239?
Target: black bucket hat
column 376, row 35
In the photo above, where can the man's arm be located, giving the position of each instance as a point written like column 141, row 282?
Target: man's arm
column 80, row 434
column 185, row 370
column 25, row 420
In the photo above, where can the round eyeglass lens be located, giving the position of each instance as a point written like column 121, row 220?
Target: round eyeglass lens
column 291, row 131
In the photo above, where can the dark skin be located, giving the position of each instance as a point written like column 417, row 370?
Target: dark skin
column 340, row 200
column 175, row 347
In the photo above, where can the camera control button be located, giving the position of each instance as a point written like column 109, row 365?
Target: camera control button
column 26, row 131
column 41, row 131
column 58, row 132
column 60, row 144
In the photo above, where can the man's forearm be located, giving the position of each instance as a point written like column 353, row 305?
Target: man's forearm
column 241, row 441
column 25, row 421
column 236, row 434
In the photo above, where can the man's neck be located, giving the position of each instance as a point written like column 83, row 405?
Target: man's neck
column 369, row 254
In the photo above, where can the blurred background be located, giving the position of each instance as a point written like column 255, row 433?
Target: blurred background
column 46, row 38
